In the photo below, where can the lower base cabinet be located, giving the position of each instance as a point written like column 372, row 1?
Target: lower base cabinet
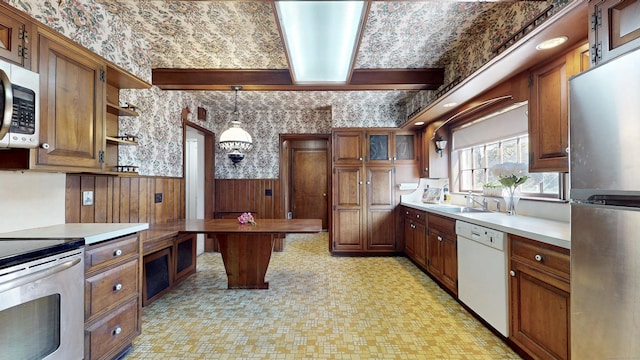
column 167, row 260
column 539, row 298
column 112, row 297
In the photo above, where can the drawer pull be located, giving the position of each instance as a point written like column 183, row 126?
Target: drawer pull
column 117, row 331
column 418, row 216
column 538, row 257
column 117, row 252
column 512, row 273
column 439, row 238
column 118, row 287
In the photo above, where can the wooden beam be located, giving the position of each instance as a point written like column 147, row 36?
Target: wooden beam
column 280, row 80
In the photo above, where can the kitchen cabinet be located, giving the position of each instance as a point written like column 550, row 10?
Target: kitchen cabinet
column 539, row 297
column 112, row 297
column 549, row 110
column 442, row 254
column 71, row 103
column 415, row 235
column 15, row 33
column 364, row 201
column 614, row 29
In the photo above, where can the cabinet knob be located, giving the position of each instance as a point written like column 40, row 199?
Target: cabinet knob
column 45, row 146
column 368, row 182
column 418, row 216
column 117, row 330
column 360, row 182
column 512, row 273
column 360, row 159
column 118, row 287
column 439, row 238
column 117, row 252
column 538, row 257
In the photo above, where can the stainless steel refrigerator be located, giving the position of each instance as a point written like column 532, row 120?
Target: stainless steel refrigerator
column 604, row 157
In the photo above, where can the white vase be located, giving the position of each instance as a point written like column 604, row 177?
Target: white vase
column 511, row 196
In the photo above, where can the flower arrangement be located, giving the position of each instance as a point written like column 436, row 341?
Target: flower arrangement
column 247, row 218
column 511, row 174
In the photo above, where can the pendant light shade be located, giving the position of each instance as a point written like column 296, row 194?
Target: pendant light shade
column 235, row 140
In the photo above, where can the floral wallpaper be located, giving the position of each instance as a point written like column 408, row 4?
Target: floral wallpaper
column 146, row 34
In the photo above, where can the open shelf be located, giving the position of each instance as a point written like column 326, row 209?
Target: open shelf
column 115, row 140
column 120, row 111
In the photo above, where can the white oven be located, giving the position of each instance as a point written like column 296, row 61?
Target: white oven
column 41, row 306
column 19, row 107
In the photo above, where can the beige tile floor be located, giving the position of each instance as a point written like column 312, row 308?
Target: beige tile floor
column 317, row 307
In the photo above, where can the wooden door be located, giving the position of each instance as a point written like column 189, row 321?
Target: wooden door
column 72, row 105
column 309, row 180
column 348, row 208
column 380, row 208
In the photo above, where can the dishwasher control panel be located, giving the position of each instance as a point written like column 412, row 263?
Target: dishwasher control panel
column 481, row 234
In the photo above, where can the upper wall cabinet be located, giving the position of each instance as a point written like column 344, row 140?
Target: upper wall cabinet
column 15, row 37
column 548, row 110
column 615, row 28
column 72, row 85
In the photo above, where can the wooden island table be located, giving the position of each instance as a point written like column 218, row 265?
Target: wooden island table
column 246, row 249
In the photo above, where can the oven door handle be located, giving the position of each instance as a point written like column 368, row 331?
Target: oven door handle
column 14, row 283
column 7, row 112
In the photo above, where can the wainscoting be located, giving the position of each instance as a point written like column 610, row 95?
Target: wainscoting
column 124, row 199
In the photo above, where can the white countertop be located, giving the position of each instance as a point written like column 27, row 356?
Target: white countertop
column 547, row 231
column 90, row 232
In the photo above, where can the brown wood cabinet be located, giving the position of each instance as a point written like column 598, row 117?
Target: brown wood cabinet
column 15, row 36
column 442, row 251
column 549, row 110
column 614, row 30
column 363, row 188
column 539, row 297
column 112, row 296
column 415, row 235
column 72, row 83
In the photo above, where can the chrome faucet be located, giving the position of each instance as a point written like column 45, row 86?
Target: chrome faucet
column 471, row 201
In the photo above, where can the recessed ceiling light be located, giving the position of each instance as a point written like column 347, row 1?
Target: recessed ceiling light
column 451, row 104
column 418, row 123
column 551, row 43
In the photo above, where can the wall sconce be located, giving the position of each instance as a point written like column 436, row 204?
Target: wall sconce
column 441, row 144
column 235, row 140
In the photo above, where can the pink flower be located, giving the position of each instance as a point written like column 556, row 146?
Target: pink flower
column 246, row 218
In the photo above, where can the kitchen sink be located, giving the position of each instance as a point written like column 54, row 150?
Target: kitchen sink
column 458, row 209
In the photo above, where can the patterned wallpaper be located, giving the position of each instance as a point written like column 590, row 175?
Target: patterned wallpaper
column 244, row 35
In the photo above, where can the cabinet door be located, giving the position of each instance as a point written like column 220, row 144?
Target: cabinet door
column 434, row 253
column 72, row 105
column 14, row 37
column 380, row 208
column 616, row 29
column 348, row 147
column 379, row 147
column 420, row 237
column 450, row 263
column 348, row 208
column 409, row 238
column 185, row 256
column 406, row 148
column 540, row 312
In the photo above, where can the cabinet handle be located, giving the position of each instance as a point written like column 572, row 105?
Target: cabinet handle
column 418, row 216
column 117, row 331
column 406, row 213
column 538, row 257
column 512, row 273
column 45, row 146
column 439, row 238
column 360, row 182
column 118, row 287
column 368, row 182
column 117, row 252
column 360, row 159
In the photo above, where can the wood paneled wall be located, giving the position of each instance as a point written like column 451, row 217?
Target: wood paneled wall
column 235, row 196
column 124, row 199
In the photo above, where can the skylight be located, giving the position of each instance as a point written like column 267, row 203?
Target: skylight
column 320, row 38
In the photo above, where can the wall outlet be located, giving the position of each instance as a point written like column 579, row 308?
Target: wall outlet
column 87, row 198
column 158, row 198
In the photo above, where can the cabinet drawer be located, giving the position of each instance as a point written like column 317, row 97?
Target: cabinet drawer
column 104, row 254
column 110, row 333
column 444, row 224
column 416, row 216
column 110, row 287
column 541, row 256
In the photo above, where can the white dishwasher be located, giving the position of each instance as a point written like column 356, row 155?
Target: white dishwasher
column 482, row 273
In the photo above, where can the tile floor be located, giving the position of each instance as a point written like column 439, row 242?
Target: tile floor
column 317, row 307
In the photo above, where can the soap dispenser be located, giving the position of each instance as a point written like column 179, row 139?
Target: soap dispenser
column 445, row 194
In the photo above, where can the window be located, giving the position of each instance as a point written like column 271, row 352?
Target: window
column 475, row 164
column 495, row 139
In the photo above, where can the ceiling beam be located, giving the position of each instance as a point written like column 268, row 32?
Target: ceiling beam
column 280, row 80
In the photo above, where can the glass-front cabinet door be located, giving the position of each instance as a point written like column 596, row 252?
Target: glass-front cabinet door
column 379, row 147
column 390, row 147
column 405, row 146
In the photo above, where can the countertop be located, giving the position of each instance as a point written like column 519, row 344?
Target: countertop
column 90, row 232
column 547, row 231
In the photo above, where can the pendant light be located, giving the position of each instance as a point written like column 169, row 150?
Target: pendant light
column 235, row 140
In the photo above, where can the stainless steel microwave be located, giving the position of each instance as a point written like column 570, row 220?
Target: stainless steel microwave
column 19, row 107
